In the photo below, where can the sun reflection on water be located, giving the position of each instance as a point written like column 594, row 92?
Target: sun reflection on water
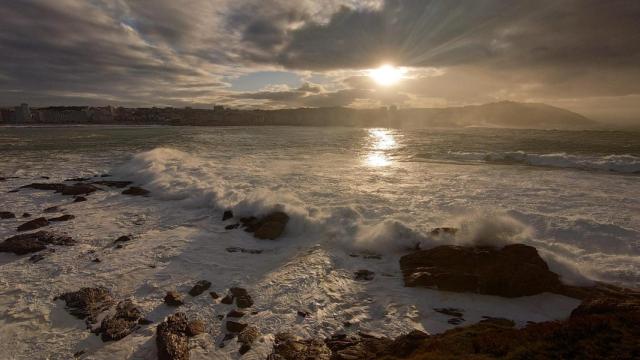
column 380, row 141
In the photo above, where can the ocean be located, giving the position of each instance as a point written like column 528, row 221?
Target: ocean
column 350, row 192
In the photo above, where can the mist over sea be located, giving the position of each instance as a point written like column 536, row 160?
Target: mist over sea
column 574, row 195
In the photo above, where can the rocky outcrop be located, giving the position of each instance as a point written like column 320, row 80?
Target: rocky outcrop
column 172, row 339
column 7, row 215
column 200, row 287
column 33, row 224
column 512, row 271
column 123, row 322
column 63, row 218
column 87, row 303
column 33, row 242
column 136, row 191
column 268, row 227
column 173, row 298
column 75, row 189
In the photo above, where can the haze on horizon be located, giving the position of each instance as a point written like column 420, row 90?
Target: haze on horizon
column 581, row 55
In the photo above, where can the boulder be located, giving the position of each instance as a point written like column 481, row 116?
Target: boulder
column 200, row 287
column 235, row 314
column 87, row 303
column 268, row 227
column 287, row 346
column 228, row 214
column 75, row 189
column 32, row 242
column 63, row 218
column 241, row 296
column 136, row 191
column 364, row 275
column 214, row 295
column 33, row 224
column 172, row 339
column 512, row 271
column 52, row 209
column 173, row 298
column 123, row 322
column 235, row 327
column 195, row 327
column 7, row 215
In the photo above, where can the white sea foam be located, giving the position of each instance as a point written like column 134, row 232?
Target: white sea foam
column 628, row 164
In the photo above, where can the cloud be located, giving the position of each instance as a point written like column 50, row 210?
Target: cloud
column 169, row 52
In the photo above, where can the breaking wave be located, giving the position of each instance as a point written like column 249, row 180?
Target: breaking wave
column 627, row 164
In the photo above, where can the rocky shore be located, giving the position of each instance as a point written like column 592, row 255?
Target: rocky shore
column 606, row 324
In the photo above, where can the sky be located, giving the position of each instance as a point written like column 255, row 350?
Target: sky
column 583, row 55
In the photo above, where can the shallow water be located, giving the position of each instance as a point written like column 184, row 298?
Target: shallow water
column 573, row 195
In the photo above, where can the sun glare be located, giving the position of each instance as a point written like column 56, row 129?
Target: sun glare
column 387, row 75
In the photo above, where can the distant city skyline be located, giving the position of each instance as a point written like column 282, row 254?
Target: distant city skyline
column 581, row 55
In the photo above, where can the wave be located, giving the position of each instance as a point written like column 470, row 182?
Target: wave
column 627, row 164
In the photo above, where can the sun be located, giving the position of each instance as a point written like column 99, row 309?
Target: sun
column 387, row 75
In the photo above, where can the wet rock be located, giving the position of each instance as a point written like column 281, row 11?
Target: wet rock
column 220, row 316
column 63, row 218
column 227, row 215
column 512, row 271
column 247, row 337
column 235, row 327
column 242, row 297
column 235, row 314
column 195, row 327
column 287, row 346
column 143, row 321
column 32, row 242
column 214, row 295
column 136, row 191
column 243, row 250
column 172, row 339
column 364, row 275
column 52, row 209
column 200, row 287
column 113, row 184
column 87, row 303
column 33, row 224
column 78, row 179
column 232, row 226
column 26, row 215
column 455, row 321
column 75, row 189
column 7, row 215
column 444, row 230
column 96, row 260
column 123, row 322
column 36, row 258
column 228, row 299
column 268, row 227
column 303, row 313
column 78, row 199
column 453, row 312
column 123, row 238
column 173, row 298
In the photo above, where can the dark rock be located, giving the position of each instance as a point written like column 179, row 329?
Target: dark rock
column 247, row 337
column 195, row 327
column 173, row 298
column 113, row 184
column 96, row 260
column 450, row 312
column 44, row 177
column 136, row 191
column 123, row 238
column 33, row 224
column 200, row 287
column 26, row 215
column 105, row 175
column 13, row 191
column 287, row 346
column 36, row 258
column 364, row 275
column 78, row 179
column 243, row 250
column 227, row 300
column 235, row 314
column 220, row 316
column 242, row 297
column 232, row 226
column 75, row 189
column 172, row 340
column 269, row 227
column 88, row 303
column 63, row 218
column 512, row 271
column 7, row 215
column 125, row 320
column 52, row 209
column 78, row 199
column 303, row 313
column 227, row 215
column 214, row 295
column 143, row 321
column 455, row 321
column 444, row 230
column 119, row 246
column 33, row 242
column 235, row 327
